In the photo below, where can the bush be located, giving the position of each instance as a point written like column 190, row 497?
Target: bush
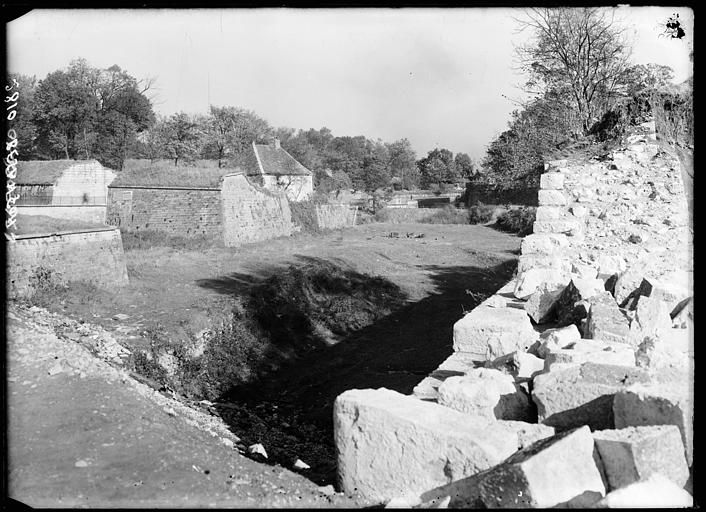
column 46, row 285
column 484, row 213
column 518, row 220
column 448, row 215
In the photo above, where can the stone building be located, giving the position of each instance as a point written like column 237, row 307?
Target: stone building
column 65, row 189
column 230, row 208
column 275, row 169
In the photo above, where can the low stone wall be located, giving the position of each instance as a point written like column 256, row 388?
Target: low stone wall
column 335, row 216
column 94, row 256
column 582, row 365
column 94, row 214
column 252, row 213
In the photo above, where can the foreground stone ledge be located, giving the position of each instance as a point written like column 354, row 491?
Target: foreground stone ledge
column 633, row 453
column 657, row 404
column 550, row 472
column 392, row 445
column 656, row 491
column 487, row 333
column 571, row 396
column 590, row 351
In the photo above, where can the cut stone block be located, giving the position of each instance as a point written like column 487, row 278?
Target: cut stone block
column 488, row 333
column 558, row 262
column 653, row 315
column 551, row 198
column 656, row 491
column 569, row 226
column 530, row 280
column 457, row 363
column 657, row 404
column 551, row 181
column 556, row 165
column 583, row 271
column 391, row 445
column 591, row 351
column 543, row 244
column 520, row 365
column 540, row 306
column 683, row 314
column 549, row 213
column 668, row 292
column 551, row 472
column 629, row 281
column 606, row 322
column 633, row 453
column 557, row 338
column 571, row 396
column 571, row 305
column 610, row 264
column 488, row 393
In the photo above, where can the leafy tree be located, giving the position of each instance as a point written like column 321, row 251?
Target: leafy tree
column 403, row 163
column 182, row 137
column 334, row 181
column 230, row 131
column 464, row 166
column 647, row 77
column 577, row 50
column 437, row 167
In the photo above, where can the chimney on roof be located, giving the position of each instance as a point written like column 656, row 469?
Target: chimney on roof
column 276, row 144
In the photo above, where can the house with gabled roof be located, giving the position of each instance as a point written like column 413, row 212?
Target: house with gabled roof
column 275, row 169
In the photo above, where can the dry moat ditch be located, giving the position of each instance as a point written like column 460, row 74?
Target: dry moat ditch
column 267, row 336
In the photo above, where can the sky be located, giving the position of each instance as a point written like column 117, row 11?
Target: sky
column 439, row 77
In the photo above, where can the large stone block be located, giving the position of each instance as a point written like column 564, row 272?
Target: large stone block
column 530, row 280
column 549, row 213
column 521, row 365
column 551, row 198
column 672, row 293
column 551, row 472
column 633, row 453
column 487, row 333
column 528, row 433
column 629, row 281
column 570, row 227
column 559, row 337
column 551, row 181
column 543, row 244
column 392, row 445
column 572, row 396
column 657, row 404
column 541, row 305
column 683, row 314
column 656, row 491
column 591, row 351
column 558, row 261
column 606, row 322
column 457, row 363
column 571, row 305
column 488, row 393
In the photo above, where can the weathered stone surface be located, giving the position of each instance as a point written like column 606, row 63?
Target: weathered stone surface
column 669, row 292
column 551, row 181
column 556, row 262
column 549, row 213
column 584, row 271
column 606, row 322
column 656, row 491
column 543, row 244
column 521, row 365
column 683, row 314
column 576, row 395
column 551, row 198
column 657, row 404
column 488, row 393
column 529, row 477
column 568, row 226
column 375, row 431
column 633, row 453
column 629, row 281
column 530, row 280
column 457, row 363
column 528, row 433
column 540, row 306
column 590, row 351
column 487, row 333
column 652, row 318
column 557, row 338
column 579, row 211
column 571, row 305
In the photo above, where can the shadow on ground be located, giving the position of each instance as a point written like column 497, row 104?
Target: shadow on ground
column 289, row 410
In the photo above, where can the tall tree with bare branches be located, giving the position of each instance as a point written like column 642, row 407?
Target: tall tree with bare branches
column 579, row 51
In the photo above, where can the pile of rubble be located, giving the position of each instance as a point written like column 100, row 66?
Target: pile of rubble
column 573, row 385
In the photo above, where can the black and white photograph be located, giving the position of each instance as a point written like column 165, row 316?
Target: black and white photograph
column 349, row 257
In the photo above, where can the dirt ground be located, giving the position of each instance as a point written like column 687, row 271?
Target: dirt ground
column 445, row 270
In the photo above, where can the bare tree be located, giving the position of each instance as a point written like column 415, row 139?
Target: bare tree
column 578, row 51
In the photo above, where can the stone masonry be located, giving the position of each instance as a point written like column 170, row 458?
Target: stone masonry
column 621, row 225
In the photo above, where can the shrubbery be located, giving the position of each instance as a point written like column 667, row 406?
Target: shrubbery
column 448, row 215
column 518, row 220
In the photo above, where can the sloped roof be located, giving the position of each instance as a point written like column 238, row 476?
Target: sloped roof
column 43, row 172
column 276, row 161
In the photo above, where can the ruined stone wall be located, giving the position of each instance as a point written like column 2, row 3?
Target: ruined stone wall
column 177, row 211
column 251, row 213
column 84, row 182
column 573, row 384
column 335, row 216
column 297, row 188
column 90, row 256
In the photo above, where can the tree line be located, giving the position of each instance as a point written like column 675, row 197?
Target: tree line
column 83, row 112
column 579, row 78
